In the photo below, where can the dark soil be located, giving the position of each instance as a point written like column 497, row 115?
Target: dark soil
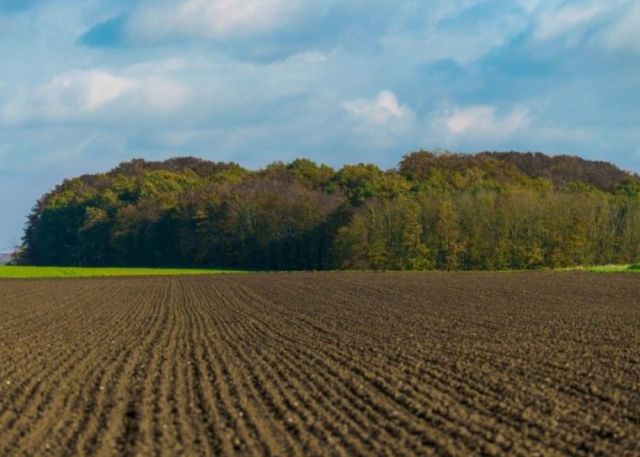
column 322, row 364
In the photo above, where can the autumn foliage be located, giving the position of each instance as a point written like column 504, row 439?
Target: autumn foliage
column 435, row 211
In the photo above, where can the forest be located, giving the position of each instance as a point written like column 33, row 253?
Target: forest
column 444, row 211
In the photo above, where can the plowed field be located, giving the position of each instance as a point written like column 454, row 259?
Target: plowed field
column 322, row 364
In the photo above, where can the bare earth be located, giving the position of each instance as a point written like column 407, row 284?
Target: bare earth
column 322, row 364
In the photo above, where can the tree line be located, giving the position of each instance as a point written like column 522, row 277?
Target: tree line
column 434, row 211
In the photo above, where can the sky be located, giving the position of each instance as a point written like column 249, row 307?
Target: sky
column 87, row 85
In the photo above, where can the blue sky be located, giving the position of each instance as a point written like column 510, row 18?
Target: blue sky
column 86, row 85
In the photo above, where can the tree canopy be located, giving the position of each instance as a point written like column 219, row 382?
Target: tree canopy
column 435, row 211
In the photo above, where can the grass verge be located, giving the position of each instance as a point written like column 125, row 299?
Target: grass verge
column 78, row 272
column 26, row 272
column 635, row 268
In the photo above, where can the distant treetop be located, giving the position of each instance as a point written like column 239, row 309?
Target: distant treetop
column 435, row 210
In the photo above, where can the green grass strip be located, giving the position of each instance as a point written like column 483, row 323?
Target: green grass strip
column 26, row 272
column 635, row 268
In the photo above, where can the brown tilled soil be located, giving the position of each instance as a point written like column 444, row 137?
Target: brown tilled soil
column 322, row 364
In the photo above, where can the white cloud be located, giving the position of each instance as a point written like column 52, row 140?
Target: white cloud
column 611, row 25
column 162, row 94
column 383, row 110
column 458, row 47
column 80, row 94
column 482, row 121
column 93, row 88
column 529, row 5
column 68, row 95
column 553, row 23
column 623, row 33
column 211, row 18
column 381, row 120
column 447, row 32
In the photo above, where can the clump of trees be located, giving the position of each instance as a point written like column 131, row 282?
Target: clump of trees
column 435, row 211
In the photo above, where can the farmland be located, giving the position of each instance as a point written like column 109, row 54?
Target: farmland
column 322, row 363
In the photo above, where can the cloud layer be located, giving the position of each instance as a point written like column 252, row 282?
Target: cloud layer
column 213, row 19
column 87, row 84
